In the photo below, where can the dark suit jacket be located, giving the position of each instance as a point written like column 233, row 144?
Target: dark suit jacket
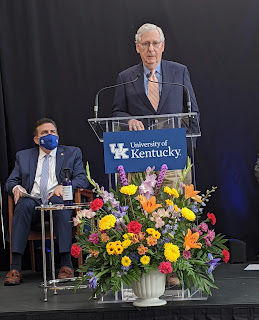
column 26, row 165
column 131, row 99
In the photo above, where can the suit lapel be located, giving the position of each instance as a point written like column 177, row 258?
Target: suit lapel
column 168, row 74
column 139, row 86
column 33, row 166
column 59, row 161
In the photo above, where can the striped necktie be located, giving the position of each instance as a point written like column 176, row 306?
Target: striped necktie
column 153, row 90
column 44, row 180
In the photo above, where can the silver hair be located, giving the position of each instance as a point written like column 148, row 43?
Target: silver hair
column 147, row 27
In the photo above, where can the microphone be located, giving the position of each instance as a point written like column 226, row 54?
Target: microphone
column 96, row 104
column 189, row 106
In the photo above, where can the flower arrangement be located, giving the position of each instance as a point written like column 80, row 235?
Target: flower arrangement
column 143, row 226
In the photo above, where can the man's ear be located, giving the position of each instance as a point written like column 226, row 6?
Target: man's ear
column 137, row 47
column 36, row 140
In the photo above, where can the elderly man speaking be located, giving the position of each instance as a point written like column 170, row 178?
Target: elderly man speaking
column 143, row 97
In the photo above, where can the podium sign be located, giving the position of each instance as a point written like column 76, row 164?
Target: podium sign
column 136, row 150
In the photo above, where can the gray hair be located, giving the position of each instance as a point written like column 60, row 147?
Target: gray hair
column 147, row 27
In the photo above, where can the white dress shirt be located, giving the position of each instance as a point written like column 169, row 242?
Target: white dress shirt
column 52, row 181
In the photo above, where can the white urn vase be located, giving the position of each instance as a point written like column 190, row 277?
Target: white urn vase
column 149, row 288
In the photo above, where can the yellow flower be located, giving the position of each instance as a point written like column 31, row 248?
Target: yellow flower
column 171, row 252
column 150, row 230
column 117, row 243
column 126, row 243
column 176, row 208
column 145, row 260
column 157, row 234
column 107, row 222
column 125, row 261
column 169, row 202
column 129, row 190
column 188, row 214
column 118, row 250
column 110, row 248
column 172, row 191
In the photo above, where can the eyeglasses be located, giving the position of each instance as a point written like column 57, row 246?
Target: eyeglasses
column 147, row 44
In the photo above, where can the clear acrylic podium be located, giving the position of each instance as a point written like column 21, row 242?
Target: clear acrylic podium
column 189, row 121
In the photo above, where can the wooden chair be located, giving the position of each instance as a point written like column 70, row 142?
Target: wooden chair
column 36, row 235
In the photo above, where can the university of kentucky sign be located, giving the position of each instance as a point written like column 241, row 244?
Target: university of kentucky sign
column 136, row 150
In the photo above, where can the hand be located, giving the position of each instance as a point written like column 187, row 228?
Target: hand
column 57, row 192
column 17, row 193
column 135, row 125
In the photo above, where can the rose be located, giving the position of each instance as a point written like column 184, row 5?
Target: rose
column 212, row 218
column 134, row 227
column 75, row 250
column 165, row 267
column 96, row 204
column 226, row 255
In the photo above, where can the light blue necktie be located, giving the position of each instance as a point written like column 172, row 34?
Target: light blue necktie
column 44, row 180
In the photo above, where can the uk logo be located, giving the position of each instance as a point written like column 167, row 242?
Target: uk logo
column 119, row 151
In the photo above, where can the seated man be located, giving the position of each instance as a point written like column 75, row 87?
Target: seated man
column 47, row 160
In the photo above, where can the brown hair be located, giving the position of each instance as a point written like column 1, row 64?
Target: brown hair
column 41, row 122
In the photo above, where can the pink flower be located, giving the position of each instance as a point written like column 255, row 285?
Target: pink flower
column 211, row 235
column 204, row 227
column 94, row 238
column 187, row 254
column 165, row 267
column 76, row 221
column 207, row 241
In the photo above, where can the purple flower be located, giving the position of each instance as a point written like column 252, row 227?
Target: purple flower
column 122, row 174
column 121, row 211
column 92, row 281
column 161, row 176
column 180, row 185
column 187, row 254
column 120, row 224
column 126, row 269
column 134, row 256
column 94, row 238
column 213, row 263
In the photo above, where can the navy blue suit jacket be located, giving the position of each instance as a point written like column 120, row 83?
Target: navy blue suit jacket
column 131, row 100
column 26, row 165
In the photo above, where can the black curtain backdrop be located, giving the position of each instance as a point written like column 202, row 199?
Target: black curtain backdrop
column 56, row 54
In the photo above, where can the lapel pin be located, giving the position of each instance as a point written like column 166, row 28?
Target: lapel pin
column 62, row 154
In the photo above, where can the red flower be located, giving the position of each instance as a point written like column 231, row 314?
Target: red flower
column 165, row 267
column 134, row 227
column 226, row 255
column 75, row 250
column 212, row 218
column 96, row 204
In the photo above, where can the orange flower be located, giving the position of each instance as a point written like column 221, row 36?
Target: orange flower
column 95, row 253
column 191, row 239
column 142, row 250
column 135, row 239
column 191, row 193
column 141, row 236
column 151, row 241
column 104, row 237
column 149, row 205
